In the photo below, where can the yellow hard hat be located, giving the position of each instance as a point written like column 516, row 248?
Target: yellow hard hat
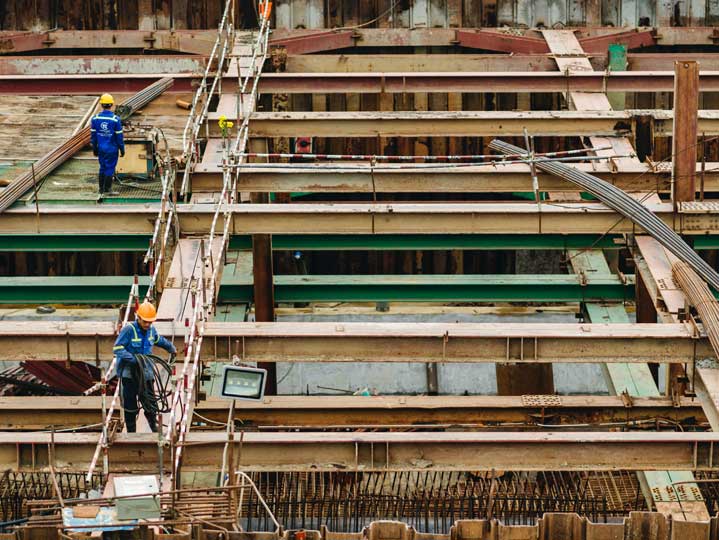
column 106, row 99
column 147, row 312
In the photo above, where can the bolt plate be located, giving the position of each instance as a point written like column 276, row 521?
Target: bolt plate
column 539, row 400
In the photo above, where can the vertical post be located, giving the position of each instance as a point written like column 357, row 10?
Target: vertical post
column 264, row 294
column 684, row 131
column 617, row 62
column 646, row 313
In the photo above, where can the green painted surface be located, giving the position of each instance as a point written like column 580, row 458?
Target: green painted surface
column 237, row 288
column 431, row 288
column 72, row 243
column 362, row 242
column 68, row 290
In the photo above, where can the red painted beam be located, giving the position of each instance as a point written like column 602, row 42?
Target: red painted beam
column 317, row 42
column 632, row 39
column 21, row 42
column 497, row 41
column 79, row 85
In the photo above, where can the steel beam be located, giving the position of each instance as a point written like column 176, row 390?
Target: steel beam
column 367, row 219
column 57, row 66
column 326, row 288
column 186, row 41
column 91, row 84
column 74, row 243
column 31, row 413
column 376, row 342
column 431, row 288
column 344, row 242
column 506, row 451
column 331, row 63
column 411, row 124
column 464, row 123
column 466, row 81
column 361, row 178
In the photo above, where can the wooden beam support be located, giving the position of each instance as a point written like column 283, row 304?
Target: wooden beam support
column 684, row 130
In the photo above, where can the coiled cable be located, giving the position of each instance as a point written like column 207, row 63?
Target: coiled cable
column 153, row 393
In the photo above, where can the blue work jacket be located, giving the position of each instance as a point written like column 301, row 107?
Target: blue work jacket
column 134, row 340
column 106, row 132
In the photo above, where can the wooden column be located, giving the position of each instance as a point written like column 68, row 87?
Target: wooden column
column 684, row 133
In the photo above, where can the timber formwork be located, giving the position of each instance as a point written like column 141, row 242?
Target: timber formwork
column 425, row 79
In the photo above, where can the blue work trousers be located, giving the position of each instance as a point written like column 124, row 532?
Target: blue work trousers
column 108, row 162
column 130, row 390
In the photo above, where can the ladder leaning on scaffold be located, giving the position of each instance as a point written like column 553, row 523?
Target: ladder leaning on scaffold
column 204, row 297
column 203, row 306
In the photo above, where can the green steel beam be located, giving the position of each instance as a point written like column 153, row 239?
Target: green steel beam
column 68, row 290
column 433, row 288
column 367, row 288
column 368, row 242
column 72, row 243
column 338, row 242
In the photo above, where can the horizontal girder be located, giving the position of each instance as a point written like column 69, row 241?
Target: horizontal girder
column 376, row 342
column 33, row 413
column 351, row 218
column 304, row 451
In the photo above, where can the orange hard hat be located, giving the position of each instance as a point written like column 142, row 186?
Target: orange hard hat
column 147, row 312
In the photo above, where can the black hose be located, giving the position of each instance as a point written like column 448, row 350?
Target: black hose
column 153, row 394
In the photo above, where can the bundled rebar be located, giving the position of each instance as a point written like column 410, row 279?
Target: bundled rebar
column 621, row 202
column 142, row 98
column 701, row 298
column 60, row 154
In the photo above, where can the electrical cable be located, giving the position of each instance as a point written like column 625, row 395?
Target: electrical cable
column 153, row 394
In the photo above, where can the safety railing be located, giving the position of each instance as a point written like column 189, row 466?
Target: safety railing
column 204, row 302
column 211, row 82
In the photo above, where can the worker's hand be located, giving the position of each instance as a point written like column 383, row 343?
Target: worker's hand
column 122, row 152
column 94, row 151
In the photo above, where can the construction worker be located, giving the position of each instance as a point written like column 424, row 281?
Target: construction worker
column 107, row 141
column 137, row 337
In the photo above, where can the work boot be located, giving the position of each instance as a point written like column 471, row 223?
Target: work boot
column 101, row 183
column 108, row 185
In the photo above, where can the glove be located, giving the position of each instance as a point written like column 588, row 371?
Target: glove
column 122, row 152
column 94, row 151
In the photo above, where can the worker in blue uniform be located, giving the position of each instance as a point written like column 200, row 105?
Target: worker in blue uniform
column 137, row 337
column 106, row 139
